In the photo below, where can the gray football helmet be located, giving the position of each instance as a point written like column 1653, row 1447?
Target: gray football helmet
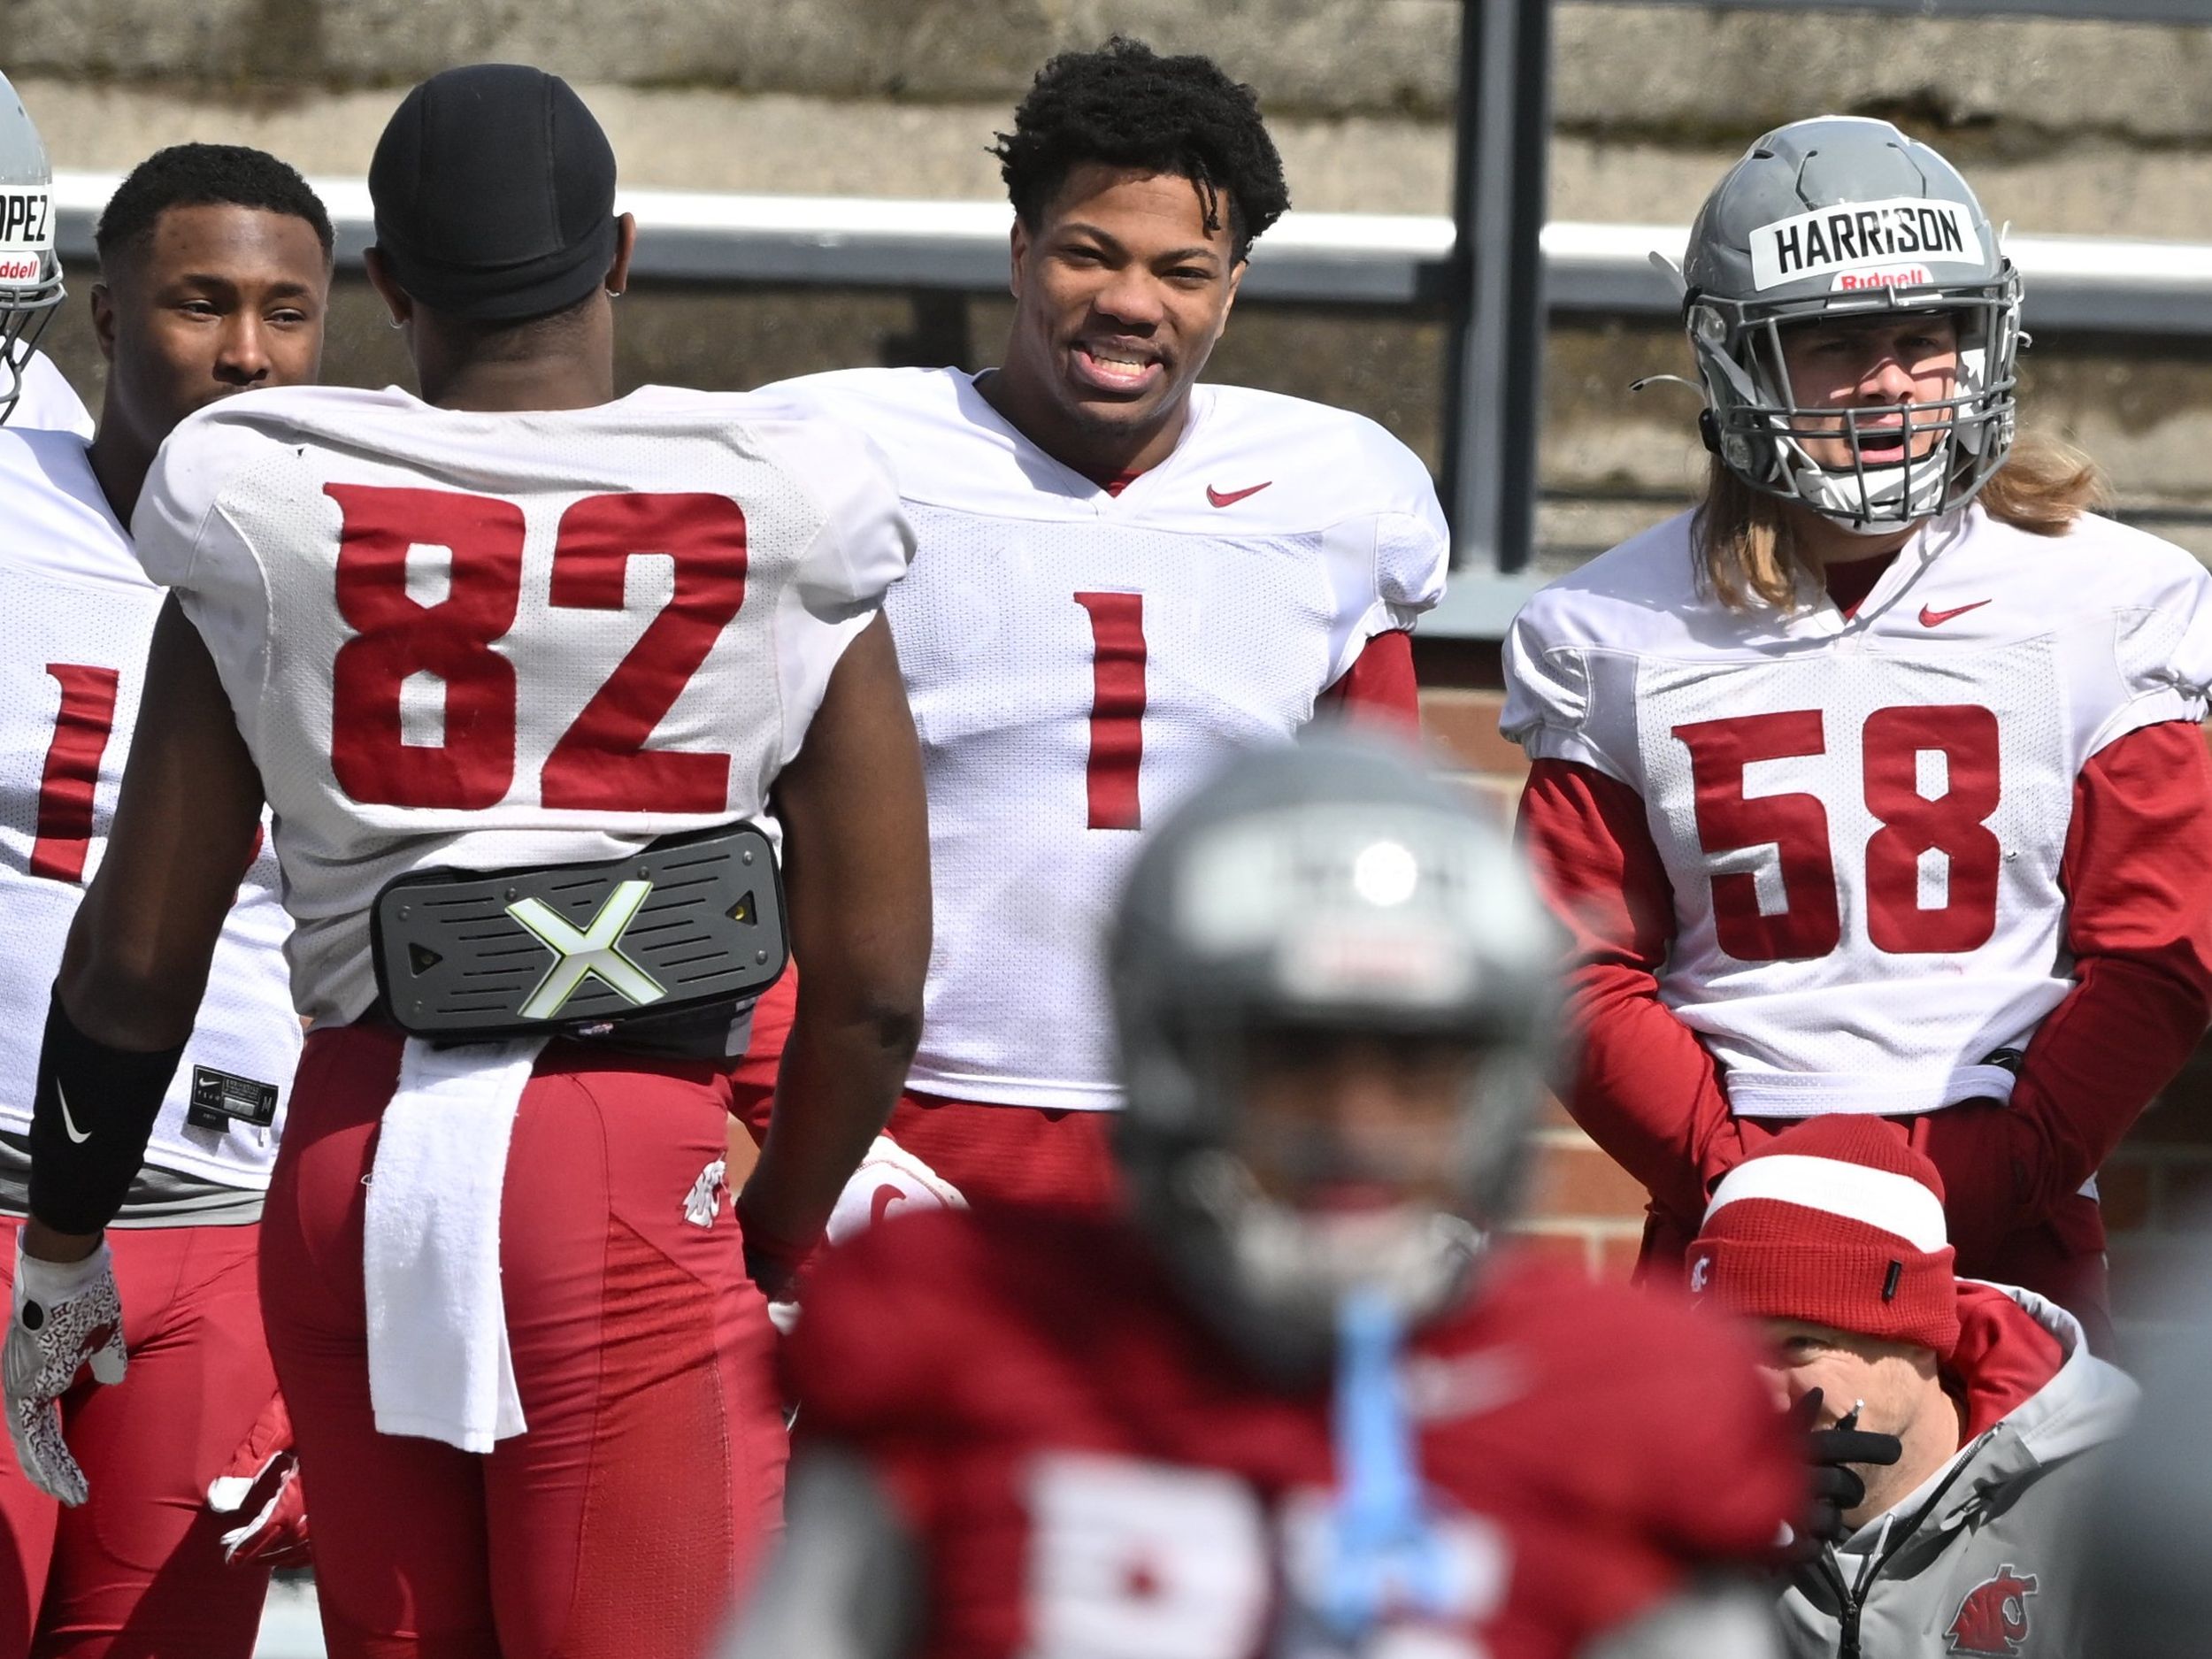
column 30, row 271
column 1841, row 217
column 1331, row 886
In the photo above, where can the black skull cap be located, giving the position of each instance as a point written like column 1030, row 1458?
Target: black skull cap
column 494, row 191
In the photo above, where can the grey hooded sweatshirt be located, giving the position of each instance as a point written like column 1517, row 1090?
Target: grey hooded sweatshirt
column 1981, row 1560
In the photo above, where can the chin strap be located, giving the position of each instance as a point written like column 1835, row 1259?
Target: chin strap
column 1388, row 1557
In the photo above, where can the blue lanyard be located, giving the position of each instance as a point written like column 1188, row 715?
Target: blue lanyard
column 1388, row 1557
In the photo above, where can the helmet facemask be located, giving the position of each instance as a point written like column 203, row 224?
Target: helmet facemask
column 1305, row 1209
column 1831, row 219
column 1759, row 428
column 1335, row 1023
column 24, row 313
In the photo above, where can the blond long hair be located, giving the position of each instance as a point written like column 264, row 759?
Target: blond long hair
column 1747, row 541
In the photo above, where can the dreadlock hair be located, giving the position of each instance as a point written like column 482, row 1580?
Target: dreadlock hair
column 204, row 175
column 1127, row 106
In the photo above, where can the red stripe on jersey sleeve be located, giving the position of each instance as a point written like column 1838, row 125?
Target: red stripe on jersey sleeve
column 1380, row 686
column 1644, row 1088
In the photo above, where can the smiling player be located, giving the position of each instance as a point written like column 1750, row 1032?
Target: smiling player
column 1121, row 577
column 1875, row 783
column 214, row 280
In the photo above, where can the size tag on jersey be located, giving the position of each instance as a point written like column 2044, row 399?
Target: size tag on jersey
column 221, row 1098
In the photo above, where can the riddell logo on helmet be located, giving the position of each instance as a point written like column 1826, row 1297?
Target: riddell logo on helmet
column 16, row 267
column 1909, row 276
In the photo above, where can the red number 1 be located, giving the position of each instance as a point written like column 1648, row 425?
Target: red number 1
column 73, row 771
column 1117, row 709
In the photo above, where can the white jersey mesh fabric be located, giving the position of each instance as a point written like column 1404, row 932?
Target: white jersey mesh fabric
column 1864, row 819
column 1078, row 661
column 77, row 612
column 478, row 642
column 47, row 401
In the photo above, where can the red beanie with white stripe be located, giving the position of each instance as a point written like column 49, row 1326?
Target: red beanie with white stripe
column 1836, row 1222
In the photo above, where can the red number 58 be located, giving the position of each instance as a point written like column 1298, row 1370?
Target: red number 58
column 601, row 761
column 1809, row 924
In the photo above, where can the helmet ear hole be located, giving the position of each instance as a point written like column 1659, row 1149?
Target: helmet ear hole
column 1709, row 429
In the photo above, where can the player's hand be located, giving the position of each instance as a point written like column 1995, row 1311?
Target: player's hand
column 1837, row 1488
column 261, row 1483
column 890, row 1179
column 66, row 1316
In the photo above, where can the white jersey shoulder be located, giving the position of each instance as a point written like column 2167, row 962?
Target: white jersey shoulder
column 1863, row 818
column 76, row 615
column 478, row 640
column 1078, row 659
column 46, row 402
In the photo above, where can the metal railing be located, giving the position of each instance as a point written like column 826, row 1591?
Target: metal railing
column 2104, row 284
column 1390, row 260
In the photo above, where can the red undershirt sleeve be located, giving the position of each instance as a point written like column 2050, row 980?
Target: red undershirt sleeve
column 2138, row 873
column 1379, row 686
column 1643, row 1087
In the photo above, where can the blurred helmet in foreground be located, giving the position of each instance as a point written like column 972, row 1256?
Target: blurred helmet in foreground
column 1334, row 989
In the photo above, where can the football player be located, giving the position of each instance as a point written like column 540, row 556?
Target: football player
column 513, row 664
column 1286, row 1402
column 1874, row 783
column 215, row 273
column 1122, row 576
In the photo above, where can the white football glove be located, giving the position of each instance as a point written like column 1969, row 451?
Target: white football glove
column 272, row 1532
column 67, row 1315
column 890, row 1178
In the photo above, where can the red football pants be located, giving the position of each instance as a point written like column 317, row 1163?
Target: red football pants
column 995, row 1155
column 623, row 1520
column 138, row 1568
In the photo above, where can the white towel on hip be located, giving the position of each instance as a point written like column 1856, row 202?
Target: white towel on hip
column 438, row 1361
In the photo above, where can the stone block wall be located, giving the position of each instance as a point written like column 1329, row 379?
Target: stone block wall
column 2081, row 128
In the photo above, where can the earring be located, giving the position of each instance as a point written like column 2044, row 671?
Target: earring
column 394, row 323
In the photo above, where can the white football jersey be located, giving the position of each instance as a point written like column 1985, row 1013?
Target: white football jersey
column 77, row 613
column 1079, row 661
column 1862, row 819
column 482, row 640
column 47, row 401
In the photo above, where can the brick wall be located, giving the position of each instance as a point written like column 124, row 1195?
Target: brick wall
column 2157, row 1188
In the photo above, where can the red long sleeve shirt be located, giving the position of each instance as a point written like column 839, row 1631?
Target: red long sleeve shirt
column 1379, row 686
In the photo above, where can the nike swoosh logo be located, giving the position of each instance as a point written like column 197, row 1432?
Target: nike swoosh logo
column 76, row 1134
column 1937, row 619
column 1229, row 498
